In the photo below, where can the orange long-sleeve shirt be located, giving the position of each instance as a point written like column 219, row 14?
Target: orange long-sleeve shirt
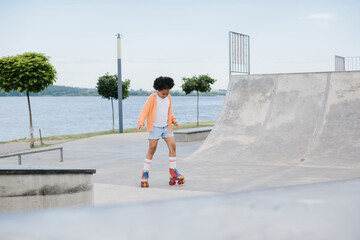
column 149, row 110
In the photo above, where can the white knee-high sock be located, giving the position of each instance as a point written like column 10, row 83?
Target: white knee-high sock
column 147, row 164
column 172, row 162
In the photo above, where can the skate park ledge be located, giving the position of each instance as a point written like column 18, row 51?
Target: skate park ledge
column 35, row 187
column 193, row 134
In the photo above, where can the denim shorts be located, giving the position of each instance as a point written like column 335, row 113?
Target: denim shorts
column 160, row 132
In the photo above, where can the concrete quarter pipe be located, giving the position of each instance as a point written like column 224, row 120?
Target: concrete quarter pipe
column 283, row 129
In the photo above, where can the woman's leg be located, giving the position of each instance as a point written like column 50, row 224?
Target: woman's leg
column 151, row 151
column 174, row 174
column 152, row 148
column 170, row 141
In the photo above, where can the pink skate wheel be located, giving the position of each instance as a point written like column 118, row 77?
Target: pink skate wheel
column 144, row 184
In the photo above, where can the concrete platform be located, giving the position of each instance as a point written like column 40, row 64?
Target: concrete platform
column 27, row 188
column 192, row 134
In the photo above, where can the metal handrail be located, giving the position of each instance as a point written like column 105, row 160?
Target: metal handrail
column 38, row 151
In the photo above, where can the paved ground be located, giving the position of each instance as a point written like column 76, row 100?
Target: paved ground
column 312, row 212
column 118, row 160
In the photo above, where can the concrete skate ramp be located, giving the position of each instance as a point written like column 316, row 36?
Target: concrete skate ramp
column 283, row 129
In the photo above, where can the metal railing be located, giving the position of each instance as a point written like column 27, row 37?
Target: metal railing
column 339, row 63
column 32, row 152
column 239, row 53
column 347, row 63
column 352, row 63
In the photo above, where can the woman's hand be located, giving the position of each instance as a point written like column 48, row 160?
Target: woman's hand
column 139, row 127
column 177, row 124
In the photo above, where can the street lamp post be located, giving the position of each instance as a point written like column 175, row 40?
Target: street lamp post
column 119, row 84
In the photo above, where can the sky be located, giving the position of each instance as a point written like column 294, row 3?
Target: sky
column 178, row 38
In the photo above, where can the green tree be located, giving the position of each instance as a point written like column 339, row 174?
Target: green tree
column 199, row 84
column 28, row 72
column 107, row 87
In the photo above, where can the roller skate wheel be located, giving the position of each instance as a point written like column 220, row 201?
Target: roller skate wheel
column 144, row 184
column 172, row 182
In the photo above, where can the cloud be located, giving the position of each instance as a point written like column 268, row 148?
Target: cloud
column 320, row 16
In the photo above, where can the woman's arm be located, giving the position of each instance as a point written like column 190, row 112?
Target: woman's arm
column 144, row 112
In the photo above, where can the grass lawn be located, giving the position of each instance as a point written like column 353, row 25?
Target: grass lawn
column 87, row 135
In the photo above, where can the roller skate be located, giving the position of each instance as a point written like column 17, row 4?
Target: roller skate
column 144, row 179
column 176, row 176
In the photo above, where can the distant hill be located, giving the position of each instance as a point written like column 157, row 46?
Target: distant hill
column 74, row 91
column 57, row 91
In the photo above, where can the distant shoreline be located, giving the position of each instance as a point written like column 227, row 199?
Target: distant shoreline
column 58, row 91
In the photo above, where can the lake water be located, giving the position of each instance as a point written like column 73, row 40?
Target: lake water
column 73, row 115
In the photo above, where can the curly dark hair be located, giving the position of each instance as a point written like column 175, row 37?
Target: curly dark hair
column 163, row 83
